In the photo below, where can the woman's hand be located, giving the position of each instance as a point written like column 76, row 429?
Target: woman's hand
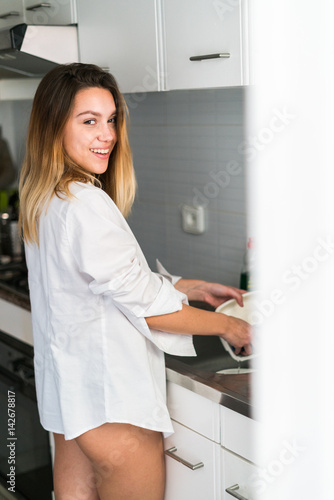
column 238, row 334
column 212, row 293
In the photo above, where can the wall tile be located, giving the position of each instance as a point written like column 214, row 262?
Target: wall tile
column 182, row 144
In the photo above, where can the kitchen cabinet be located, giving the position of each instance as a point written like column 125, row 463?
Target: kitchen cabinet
column 52, row 12
column 214, row 34
column 238, row 476
column 122, row 38
column 192, row 465
column 147, row 45
column 216, row 441
column 238, row 455
column 193, row 451
column 11, row 13
column 16, row 321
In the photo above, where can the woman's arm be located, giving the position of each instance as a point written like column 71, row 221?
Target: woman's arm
column 190, row 320
column 214, row 294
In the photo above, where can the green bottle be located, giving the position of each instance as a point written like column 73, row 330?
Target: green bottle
column 246, row 278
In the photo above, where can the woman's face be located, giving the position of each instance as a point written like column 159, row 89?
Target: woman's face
column 90, row 132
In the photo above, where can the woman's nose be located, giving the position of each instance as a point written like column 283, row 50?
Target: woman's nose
column 107, row 132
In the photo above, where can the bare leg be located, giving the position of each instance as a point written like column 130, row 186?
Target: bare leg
column 129, row 461
column 74, row 476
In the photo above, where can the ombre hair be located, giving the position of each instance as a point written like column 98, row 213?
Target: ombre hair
column 47, row 170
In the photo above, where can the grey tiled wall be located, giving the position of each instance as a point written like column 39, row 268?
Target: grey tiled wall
column 183, row 144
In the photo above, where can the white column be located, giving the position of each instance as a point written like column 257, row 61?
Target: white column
column 289, row 148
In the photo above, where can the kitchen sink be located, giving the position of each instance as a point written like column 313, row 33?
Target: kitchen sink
column 212, row 357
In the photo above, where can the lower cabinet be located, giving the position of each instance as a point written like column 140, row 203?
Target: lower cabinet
column 211, row 451
column 238, row 477
column 192, row 466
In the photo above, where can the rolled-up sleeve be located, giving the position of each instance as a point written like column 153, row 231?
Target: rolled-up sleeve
column 109, row 257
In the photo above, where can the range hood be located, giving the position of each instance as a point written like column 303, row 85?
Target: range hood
column 33, row 50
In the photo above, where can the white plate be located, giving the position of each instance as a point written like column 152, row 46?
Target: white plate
column 232, row 308
column 235, row 371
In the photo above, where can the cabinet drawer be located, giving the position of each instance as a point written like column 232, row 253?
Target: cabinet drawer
column 239, row 473
column 16, row 321
column 183, row 483
column 11, row 13
column 55, row 12
column 194, row 411
column 238, row 433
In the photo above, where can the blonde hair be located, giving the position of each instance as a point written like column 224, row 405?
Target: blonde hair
column 47, row 170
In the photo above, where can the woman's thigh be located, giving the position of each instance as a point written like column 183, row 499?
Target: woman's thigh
column 74, row 475
column 128, row 461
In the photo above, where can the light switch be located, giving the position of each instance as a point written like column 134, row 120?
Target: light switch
column 193, row 219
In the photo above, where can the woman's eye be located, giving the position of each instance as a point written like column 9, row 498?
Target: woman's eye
column 90, row 122
column 113, row 119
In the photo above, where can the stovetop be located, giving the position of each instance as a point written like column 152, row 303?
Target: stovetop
column 14, row 277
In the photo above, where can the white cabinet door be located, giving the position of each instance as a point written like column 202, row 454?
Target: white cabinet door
column 11, row 13
column 202, row 28
column 183, row 483
column 194, row 411
column 238, row 433
column 238, row 476
column 121, row 36
column 54, row 12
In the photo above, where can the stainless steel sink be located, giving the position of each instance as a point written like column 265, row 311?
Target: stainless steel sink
column 212, row 357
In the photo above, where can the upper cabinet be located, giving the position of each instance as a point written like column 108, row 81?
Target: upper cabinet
column 11, row 13
column 121, row 36
column 53, row 12
column 205, row 43
column 166, row 44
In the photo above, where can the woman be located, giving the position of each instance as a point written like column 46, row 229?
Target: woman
column 102, row 319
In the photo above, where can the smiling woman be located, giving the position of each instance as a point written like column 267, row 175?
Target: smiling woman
column 102, row 319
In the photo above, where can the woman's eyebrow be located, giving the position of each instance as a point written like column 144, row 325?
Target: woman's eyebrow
column 94, row 113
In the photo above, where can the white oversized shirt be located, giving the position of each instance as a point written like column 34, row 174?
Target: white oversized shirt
column 96, row 360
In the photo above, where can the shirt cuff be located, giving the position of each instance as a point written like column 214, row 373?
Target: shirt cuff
column 167, row 301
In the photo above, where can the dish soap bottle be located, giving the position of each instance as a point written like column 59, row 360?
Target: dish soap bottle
column 246, row 278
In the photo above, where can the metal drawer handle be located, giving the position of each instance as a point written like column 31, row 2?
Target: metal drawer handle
column 38, row 6
column 8, row 14
column 171, row 453
column 232, row 491
column 224, row 55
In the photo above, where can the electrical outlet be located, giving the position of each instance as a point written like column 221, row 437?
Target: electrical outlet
column 193, row 219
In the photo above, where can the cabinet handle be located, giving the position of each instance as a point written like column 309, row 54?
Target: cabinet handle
column 8, row 14
column 232, row 491
column 221, row 55
column 171, row 453
column 38, row 6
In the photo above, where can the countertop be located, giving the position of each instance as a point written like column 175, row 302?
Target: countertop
column 231, row 391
